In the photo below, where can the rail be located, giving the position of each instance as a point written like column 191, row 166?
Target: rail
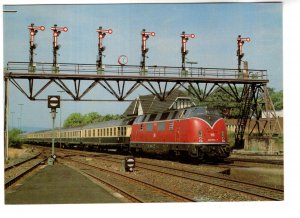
column 135, row 70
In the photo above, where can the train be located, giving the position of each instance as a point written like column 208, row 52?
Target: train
column 195, row 133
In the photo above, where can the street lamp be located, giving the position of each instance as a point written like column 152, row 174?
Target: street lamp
column 12, row 119
column 60, row 111
column 21, row 105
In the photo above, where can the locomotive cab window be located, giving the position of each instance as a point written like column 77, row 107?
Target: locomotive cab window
column 152, row 117
column 164, row 116
column 145, row 118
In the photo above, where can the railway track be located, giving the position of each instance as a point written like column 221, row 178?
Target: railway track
column 257, row 160
column 133, row 189
column 21, row 162
column 16, row 172
column 269, row 193
column 261, row 191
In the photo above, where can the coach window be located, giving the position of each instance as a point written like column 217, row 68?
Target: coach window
column 141, row 127
column 94, row 134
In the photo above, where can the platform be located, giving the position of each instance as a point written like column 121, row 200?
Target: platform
column 59, row 184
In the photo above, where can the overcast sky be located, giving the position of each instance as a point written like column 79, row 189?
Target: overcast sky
column 216, row 27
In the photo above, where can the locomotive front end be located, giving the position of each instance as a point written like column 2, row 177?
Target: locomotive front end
column 208, row 131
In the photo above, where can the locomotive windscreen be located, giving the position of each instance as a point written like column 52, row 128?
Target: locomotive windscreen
column 210, row 115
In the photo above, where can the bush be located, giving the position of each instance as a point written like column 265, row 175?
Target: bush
column 14, row 138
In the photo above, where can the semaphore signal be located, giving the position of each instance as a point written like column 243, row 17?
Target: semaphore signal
column 101, row 34
column 184, row 51
column 56, row 32
column 145, row 36
column 240, row 54
column 33, row 30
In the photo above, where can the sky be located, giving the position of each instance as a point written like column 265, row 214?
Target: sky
column 216, row 27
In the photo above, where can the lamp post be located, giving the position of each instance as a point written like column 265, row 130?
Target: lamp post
column 12, row 119
column 20, row 125
column 60, row 111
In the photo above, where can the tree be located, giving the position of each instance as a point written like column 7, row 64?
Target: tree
column 77, row 119
column 277, row 98
column 225, row 103
column 14, row 138
column 228, row 105
column 92, row 117
column 74, row 119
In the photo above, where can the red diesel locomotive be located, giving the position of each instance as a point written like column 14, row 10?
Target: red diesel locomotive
column 195, row 132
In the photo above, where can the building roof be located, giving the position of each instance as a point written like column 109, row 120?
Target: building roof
column 151, row 104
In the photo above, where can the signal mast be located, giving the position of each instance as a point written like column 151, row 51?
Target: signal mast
column 184, row 51
column 101, row 48
column 145, row 36
column 56, row 32
column 239, row 53
column 33, row 30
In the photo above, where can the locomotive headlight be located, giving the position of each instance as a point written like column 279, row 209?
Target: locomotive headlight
column 200, row 139
column 223, row 138
column 200, row 136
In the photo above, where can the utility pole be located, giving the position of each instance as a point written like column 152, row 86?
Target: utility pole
column 6, row 107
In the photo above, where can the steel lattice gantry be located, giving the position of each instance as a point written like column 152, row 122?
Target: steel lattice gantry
column 161, row 81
